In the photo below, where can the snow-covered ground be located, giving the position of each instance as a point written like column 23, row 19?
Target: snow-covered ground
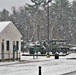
column 72, row 55
column 50, row 66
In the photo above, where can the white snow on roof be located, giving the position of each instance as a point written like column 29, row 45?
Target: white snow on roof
column 3, row 24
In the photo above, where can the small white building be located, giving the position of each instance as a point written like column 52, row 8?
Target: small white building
column 10, row 41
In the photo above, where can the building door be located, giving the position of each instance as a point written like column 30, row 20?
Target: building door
column 2, row 51
column 15, row 49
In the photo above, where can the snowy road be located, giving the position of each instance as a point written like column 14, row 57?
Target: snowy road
column 71, row 73
column 49, row 67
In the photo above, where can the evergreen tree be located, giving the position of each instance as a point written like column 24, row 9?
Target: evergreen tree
column 4, row 15
column 60, row 13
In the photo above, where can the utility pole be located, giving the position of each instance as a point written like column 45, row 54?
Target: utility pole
column 48, row 24
column 48, row 20
column 38, row 30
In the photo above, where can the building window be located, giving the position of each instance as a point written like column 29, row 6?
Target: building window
column 7, row 45
column 17, row 45
column 3, row 45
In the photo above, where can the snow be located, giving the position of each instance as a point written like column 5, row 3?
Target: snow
column 41, row 8
column 50, row 66
column 3, row 24
column 73, row 48
column 71, row 56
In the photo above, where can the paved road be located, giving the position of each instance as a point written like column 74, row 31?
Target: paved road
column 49, row 67
column 71, row 73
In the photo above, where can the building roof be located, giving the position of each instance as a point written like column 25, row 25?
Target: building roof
column 3, row 24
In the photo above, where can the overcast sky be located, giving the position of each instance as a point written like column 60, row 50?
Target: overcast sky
column 9, row 3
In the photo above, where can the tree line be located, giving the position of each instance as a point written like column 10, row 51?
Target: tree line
column 31, row 20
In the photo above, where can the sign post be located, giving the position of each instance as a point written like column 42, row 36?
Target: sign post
column 35, row 50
